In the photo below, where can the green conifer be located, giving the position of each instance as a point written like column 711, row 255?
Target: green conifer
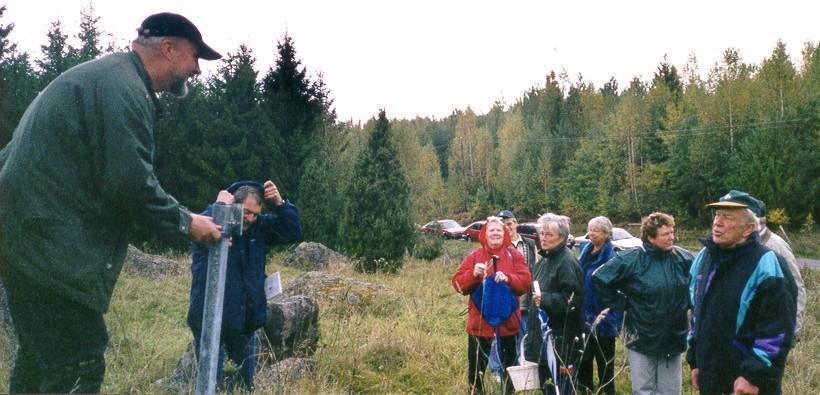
column 376, row 225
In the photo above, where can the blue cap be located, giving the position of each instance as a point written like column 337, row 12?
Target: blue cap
column 506, row 214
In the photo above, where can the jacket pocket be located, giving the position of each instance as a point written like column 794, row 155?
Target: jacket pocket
column 71, row 258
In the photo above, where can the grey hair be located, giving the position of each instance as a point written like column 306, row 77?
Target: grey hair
column 149, row 42
column 602, row 223
column 751, row 218
column 246, row 191
column 561, row 222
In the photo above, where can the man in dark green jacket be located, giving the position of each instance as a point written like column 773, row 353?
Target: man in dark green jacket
column 76, row 177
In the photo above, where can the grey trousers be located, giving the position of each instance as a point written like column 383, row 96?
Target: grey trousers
column 655, row 376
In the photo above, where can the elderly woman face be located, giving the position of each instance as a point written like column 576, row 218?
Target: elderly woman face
column 597, row 236
column 495, row 234
column 665, row 239
column 550, row 237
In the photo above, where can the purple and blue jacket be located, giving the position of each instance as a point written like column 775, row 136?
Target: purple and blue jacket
column 742, row 319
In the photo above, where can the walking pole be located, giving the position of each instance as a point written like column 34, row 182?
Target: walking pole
column 229, row 216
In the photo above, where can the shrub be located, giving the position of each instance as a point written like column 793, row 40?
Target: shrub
column 778, row 217
column 808, row 225
column 427, row 247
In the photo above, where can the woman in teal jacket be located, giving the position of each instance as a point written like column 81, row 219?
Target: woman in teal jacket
column 651, row 284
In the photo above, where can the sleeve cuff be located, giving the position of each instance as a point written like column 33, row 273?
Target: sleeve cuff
column 184, row 221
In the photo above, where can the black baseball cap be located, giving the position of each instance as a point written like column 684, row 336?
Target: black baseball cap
column 166, row 24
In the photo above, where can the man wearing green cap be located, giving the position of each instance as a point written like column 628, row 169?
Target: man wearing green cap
column 75, row 180
column 743, row 312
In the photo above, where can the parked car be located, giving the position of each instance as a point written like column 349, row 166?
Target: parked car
column 529, row 230
column 448, row 228
column 472, row 230
column 621, row 240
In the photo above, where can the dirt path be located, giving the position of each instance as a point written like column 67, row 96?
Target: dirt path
column 813, row 264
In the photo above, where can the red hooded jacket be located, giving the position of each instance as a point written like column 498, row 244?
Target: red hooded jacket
column 511, row 263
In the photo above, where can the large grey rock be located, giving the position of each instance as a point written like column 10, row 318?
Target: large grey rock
column 138, row 263
column 269, row 378
column 314, row 256
column 183, row 379
column 332, row 290
column 292, row 328
column 279, row 376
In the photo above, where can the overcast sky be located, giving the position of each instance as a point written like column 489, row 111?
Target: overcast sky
column 429, row 57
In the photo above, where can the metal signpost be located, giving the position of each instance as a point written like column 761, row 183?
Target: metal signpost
column 229, row 216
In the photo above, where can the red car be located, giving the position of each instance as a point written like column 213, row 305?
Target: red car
column 448, row 228
column 472, row 230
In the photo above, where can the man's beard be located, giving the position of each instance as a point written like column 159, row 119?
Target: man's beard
column 179, row 87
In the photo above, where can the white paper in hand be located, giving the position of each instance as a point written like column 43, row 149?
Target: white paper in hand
column 273, row 285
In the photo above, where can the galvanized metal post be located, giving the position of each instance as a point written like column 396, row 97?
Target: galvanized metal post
column 229, row 216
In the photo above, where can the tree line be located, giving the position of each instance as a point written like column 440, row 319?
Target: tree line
column 673, row 143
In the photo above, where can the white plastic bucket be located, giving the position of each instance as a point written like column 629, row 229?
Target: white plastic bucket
column 525, row 376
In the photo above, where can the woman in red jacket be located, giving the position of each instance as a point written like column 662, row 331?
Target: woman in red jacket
column 498, row 260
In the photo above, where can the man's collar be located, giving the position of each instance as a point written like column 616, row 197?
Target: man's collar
column 518, row 240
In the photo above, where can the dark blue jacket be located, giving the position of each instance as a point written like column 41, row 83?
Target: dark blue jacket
column 743, row 317
column 245, row 305
column 611, row 325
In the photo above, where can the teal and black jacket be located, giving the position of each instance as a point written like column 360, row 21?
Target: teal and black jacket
column 743, row 317
column 651, row 285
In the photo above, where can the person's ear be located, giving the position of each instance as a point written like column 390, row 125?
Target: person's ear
column 750, row 228
column 166, row 48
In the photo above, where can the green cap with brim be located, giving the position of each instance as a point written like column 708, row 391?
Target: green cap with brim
column 738, row 199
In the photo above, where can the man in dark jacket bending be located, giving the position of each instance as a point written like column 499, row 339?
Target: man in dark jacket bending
column 76, row 179
column 743, row 310
column 245, row 304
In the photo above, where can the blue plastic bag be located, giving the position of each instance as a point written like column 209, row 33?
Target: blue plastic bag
column 495, row 301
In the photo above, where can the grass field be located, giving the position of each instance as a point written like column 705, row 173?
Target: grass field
column 417, row 346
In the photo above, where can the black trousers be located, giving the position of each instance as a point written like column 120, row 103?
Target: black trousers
column 478, row 351
column 61, row 343
column 601, row 350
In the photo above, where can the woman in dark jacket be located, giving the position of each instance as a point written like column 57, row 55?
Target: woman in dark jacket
column 561, row 283
column 599, row 338
column 496, row 257
column 651, row 284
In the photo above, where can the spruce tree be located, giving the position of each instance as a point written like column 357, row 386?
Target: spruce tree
column 89, row 36
column 376, row 225
column 299, row 108
column 320, row 206
column 58, row 55
column 17, row 83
